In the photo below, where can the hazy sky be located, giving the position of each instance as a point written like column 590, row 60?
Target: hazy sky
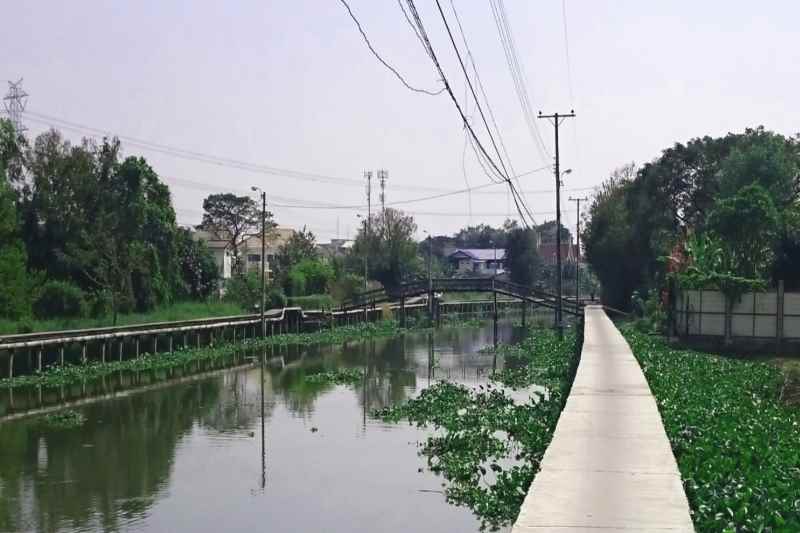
column 291, row 85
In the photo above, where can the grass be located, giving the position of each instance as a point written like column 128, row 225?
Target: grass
column 56, row 376
column 737, row 445
column 313, row 302
column 174, row 312
column 487, row 447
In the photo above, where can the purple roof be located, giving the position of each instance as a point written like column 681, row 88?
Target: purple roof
column 482, row 254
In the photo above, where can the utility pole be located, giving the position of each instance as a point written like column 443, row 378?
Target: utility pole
column 14, row 103
column 557, row 119
column 578, row 250
column 367, row 223
column 263, row 259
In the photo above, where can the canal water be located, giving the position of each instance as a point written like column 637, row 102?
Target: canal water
column 199, row 454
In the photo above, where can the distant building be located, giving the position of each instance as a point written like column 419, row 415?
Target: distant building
column 335, row 248
column 478, row 261
column 249, row 249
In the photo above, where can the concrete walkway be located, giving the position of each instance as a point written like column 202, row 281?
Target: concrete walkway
column 610, row 466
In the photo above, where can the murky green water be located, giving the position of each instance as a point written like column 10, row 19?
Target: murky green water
column 189, row 456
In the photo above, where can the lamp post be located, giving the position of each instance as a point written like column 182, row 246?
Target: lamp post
column 263, row 258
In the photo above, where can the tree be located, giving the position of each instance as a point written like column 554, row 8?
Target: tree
column 522, row 258
column 301, row 245
column 389, row 245
column 199, row 271
column 747, row 226
column 607, row 242
column 232, row 218
column 15, row 284
column 484, row 236
column 547, row 232
column 309, row 276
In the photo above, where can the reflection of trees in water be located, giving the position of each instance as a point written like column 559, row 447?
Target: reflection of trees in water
column 239, row 405
column 111, row 467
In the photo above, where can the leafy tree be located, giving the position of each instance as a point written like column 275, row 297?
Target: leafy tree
column 107, row 225
column 309, row 276
column 607, row 242
column 747, row 225
column 12, row 147
column 232, row 218
column 199, row 271
column 547, row 232
column 15, row 284
column 522, row 258
column 484, row 235
column 389, row 245
column 301, row 245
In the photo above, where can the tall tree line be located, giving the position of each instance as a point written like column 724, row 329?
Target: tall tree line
column 722, row 208
column 90, row 224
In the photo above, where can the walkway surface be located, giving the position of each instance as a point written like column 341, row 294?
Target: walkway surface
column 610, row 466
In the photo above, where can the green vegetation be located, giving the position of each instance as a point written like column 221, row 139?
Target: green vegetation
column 736, row 444
column 487, row 446
column 56, row 376
column 170, row 313
column 68, row 419
column 736, row 194
column 312, row 301
column 345, row 376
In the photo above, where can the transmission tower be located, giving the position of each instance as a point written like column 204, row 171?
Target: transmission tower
column 14, row 103
column 368, row 177
column 383, row 175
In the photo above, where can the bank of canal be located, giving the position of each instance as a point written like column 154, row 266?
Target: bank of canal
column 188, row 455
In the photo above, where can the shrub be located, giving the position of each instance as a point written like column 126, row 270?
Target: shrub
column 245, row 290
column 276, row 299
column 296, row 283
column 59, row 299
column 346, row 286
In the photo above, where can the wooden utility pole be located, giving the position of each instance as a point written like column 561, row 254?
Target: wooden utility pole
column 578, row 250
column 557, row 119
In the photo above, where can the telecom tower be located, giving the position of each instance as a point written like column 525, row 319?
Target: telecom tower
column 14, row 103
column 383, row 175
column 368, row 177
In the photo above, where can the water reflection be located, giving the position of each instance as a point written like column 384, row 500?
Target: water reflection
column 247, row 449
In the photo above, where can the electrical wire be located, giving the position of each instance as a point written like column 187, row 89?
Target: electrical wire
column 382, row 61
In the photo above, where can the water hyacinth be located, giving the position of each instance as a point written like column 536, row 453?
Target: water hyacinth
column 737, row 446
column 56, row 376
column 487, row 446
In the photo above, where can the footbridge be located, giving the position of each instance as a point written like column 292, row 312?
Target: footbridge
column 434, row 286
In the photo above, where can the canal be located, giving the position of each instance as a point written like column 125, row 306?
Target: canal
column 200, row 453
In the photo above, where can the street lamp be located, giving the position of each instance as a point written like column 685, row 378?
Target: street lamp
column 263, row 258
column 564, row 173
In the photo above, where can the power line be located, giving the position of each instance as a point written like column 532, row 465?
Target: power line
column 517, row 73
column 227, row 162
column 383, row 62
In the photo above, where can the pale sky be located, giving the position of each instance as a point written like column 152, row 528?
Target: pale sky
column 291, row 85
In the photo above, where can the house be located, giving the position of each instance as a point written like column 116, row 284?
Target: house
column 249, row 249
column 478, row 261
column 335, row 248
